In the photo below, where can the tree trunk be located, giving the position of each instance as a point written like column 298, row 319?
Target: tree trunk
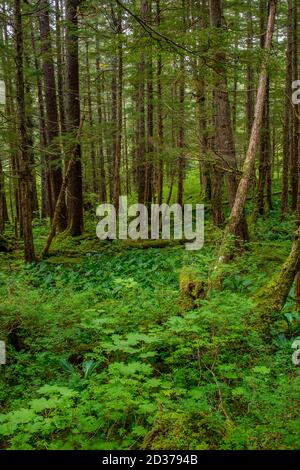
column 91, row 121
column 181, row 132
column 119, row 114
column 24, row 169
column 295, row 120
column 54, row 166
column 59, row 71
column 287, row 147
column 224, row 139
column 42, row 131
column 160, row 123
column 75, row 198
column 237, row 211
column 2, row 201
column 141, row 130
column 102, row 182
column 273, row 298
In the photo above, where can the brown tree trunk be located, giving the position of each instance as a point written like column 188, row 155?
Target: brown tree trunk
column 118, row 114
column 160, row 123
column 224, row 139
column 264, row 178
column 62, row 192
column 295, row 121
column 102, row 182
column 91, row 121
column 42, row 131
column 75, row 197
column 141, row 129
column 59, row 70
column 150, row 130
column 287, row 145
column 250, row 86
column 52, row 124
column 181, row 132
column 30, row 134
column 237, row 211
column 24, row 169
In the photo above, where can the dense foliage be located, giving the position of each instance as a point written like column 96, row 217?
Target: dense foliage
column 141, row 344
column 105, row 354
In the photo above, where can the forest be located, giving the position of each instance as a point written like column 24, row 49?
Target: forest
column 143, row 342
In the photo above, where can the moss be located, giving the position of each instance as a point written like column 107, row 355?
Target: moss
column 192, row 286
column 144, row 244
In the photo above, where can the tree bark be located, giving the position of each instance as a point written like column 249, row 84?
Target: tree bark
column 237, row 212
column 224, row 139
column 24, row 168
column 54, row 165
column 102, row 182
column 94, row 187
column 287, row 145
column 75, row 197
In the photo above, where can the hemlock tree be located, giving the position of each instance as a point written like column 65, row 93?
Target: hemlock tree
column 74, row 194
column 24, row 173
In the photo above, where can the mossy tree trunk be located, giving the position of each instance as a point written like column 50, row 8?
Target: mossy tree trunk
column 273, row 297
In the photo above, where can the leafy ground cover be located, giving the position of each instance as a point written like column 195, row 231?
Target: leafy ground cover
column 103, row 353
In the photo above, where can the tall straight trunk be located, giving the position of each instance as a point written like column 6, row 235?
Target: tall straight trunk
column 75, row 197
column 237, row 212
column 12, row 129
column 160, row 123
column 224, row 139
column 54, row 163
column 119, row 114
column 160, row 133
column 181, row 132
column 60, row 67
column 287, row 144
column 250, row 84
column 126, row 156
column 141, row 129
column 3, row 204
column 150, row 130
column 250, row 75
column 235, row 78
column 31, row 156
column 264, row 177
column 42, row 132
column 91, row 121
column 24, row 168
column 204, row 166
column 114, row 125
column 181, row 118
column 102, row 182
column 295, row 120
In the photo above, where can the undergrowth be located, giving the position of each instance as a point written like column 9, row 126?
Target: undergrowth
column 103, row 354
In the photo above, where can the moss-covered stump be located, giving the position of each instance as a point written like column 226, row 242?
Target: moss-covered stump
column 192, row 287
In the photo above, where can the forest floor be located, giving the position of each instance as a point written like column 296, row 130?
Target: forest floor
column 102, row 353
